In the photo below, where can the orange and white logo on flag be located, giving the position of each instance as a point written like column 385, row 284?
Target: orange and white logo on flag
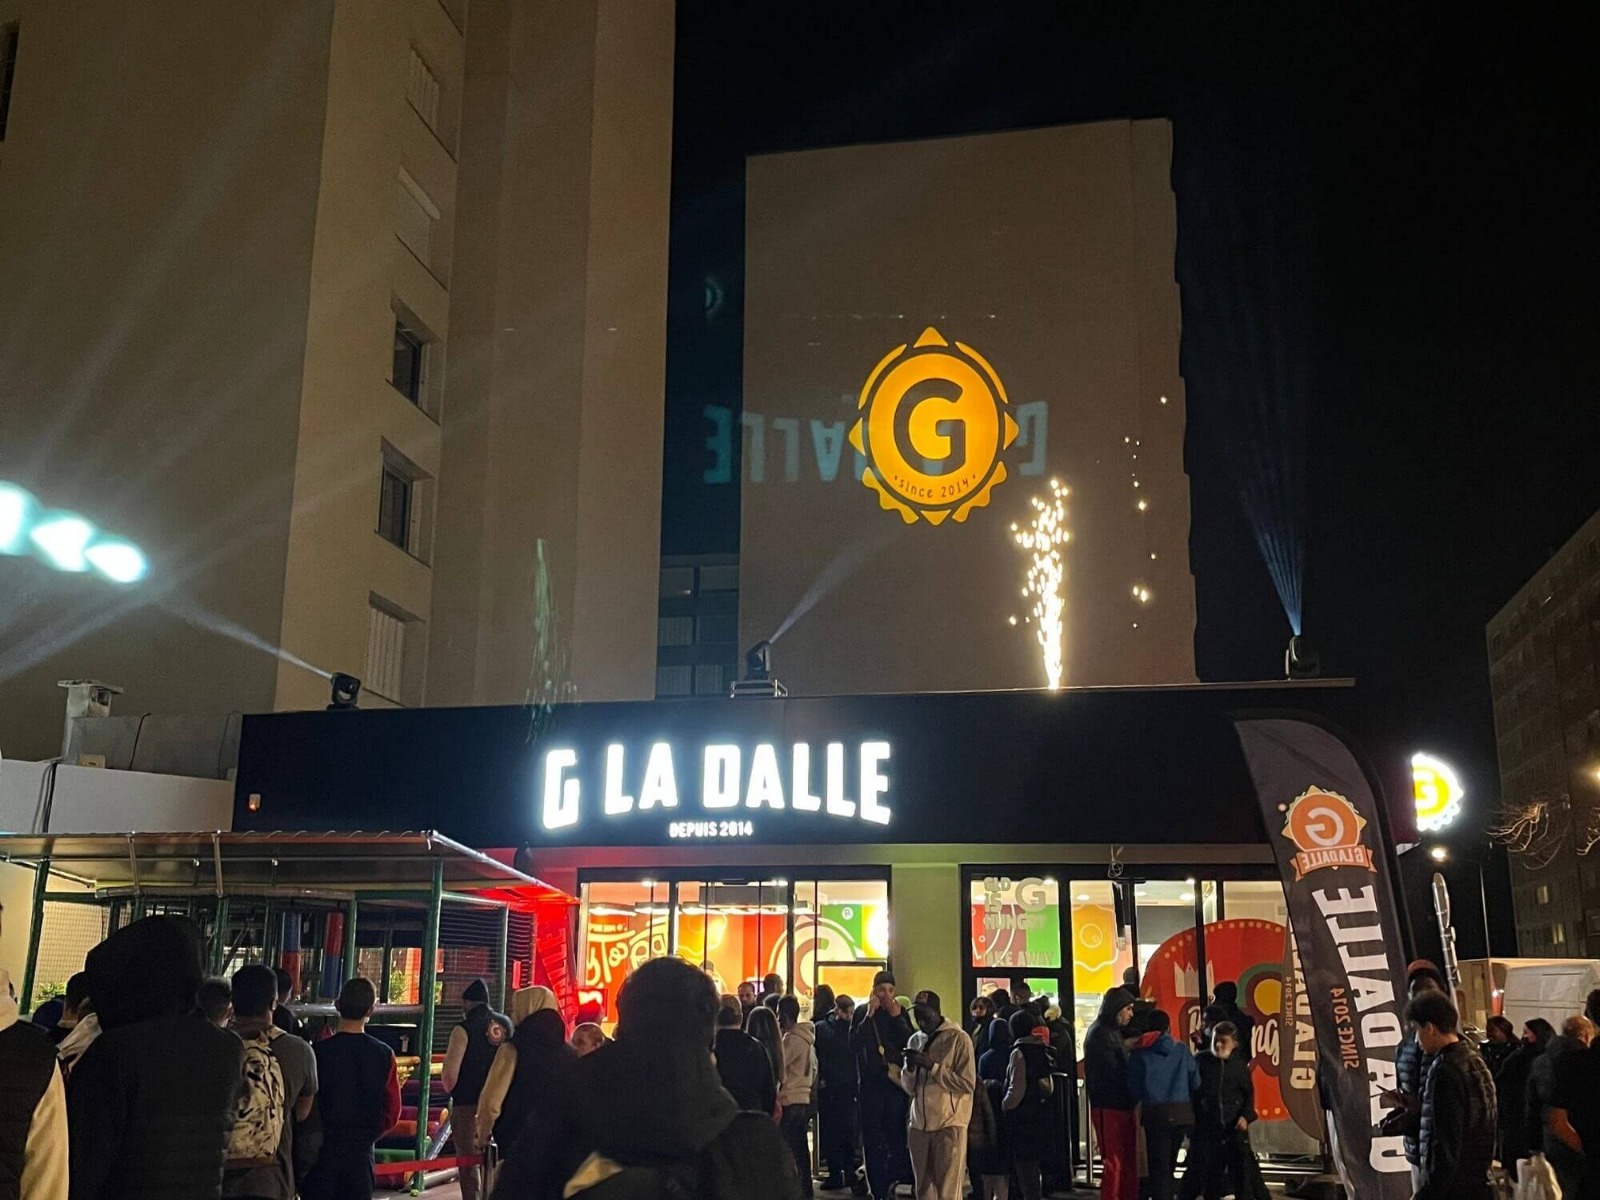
column 1328, row 832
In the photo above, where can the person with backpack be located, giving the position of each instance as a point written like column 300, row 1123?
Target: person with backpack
column 1026, row 1103
column 151, row 1101
column 33, row 1109
column 799, row 1078
column 280, row 1087
column 940, row 1076
column 645, row 1117
column 358, row 1096
column 468, row 1057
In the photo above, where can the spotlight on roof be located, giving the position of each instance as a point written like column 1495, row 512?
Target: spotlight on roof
column 344, row 690
column 758, row 680
column 1300, row 661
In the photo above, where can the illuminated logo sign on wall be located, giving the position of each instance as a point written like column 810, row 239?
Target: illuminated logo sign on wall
column 1328, row 832
column 934, row 421
column 721, row 790
column 1437, row 790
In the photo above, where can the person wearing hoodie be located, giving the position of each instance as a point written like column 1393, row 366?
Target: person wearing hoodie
column 647, row 1112
column 33, row 1109
column 1025, row 1104
column 1511, row 1091
column 496, row 1117
column 151, row 1102
column 799, row 1075
column 1565, row 1054
column 940, row 1075
column 742, row 1062
column 1163, row 1078
column 836, row 1096
column 1111, row 1102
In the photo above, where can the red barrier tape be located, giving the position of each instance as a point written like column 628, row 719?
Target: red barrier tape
column 412, row 1166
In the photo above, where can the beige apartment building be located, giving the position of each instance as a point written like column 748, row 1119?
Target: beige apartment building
column 351, row 314
column 1544, row 673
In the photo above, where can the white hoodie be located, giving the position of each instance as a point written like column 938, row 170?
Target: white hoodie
column 941, row 1095
column 44, row 1166
column 799, row 1064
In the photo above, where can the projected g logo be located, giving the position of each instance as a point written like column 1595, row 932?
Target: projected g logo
column 933, row 423
column 1328, row 832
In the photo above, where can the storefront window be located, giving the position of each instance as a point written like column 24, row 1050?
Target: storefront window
column 1100, row 954
column 1016, row 923
column 824, row 931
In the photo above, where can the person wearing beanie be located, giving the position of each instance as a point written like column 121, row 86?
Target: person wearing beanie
column 468, row 1058
column 1111, row 1101
column 880, row 1032
column 649, row 1107
column 150, row 1103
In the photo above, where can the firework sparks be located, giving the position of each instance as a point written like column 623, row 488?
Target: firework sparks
column 1042, row 541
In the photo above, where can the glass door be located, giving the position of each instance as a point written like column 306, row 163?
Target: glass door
column 736, row 930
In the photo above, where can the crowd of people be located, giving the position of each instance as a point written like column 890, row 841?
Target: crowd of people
column 148, row 1080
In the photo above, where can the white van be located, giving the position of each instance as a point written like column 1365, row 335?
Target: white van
column 1523, row 988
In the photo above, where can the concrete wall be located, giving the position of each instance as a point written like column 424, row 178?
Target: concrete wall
column 549, row 505
column 155, row 242
column 88, row 800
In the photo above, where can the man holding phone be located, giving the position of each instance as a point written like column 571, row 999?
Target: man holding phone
column 879, row 1036
column 940, row 1076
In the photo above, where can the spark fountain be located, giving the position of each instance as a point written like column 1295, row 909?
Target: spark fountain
column 1042, row 541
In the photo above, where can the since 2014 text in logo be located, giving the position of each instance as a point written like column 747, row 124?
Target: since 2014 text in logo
column 934, row 422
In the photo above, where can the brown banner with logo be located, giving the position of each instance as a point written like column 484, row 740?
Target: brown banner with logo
column 1322, row 820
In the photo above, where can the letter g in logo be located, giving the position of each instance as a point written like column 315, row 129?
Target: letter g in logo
column 933, row 424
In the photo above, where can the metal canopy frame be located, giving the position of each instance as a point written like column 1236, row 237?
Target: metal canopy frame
column 422, row 868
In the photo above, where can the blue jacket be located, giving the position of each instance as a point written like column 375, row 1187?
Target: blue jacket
column 1164, row 1078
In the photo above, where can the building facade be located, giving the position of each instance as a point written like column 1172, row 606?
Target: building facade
column 352, row 317
column 1544, row 673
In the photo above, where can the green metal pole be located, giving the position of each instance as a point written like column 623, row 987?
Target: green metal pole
column 352, row 956
column 428, row 977
column 219, row 946
column 505, row 938
column 41, row 879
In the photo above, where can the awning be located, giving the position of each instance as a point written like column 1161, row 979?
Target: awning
column 241, row 862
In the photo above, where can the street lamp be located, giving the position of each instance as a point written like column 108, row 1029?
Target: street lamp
column 1439, row 854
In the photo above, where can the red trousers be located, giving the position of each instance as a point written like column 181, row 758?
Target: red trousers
column 1117, row 1131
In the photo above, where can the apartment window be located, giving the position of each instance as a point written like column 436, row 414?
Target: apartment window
column 719, row 629
column 675, row 631
column 709, row 680
column 8, row 69
column 723, row 577
column 674, row 681
column 677, row 581
column 1542, row 893
column 1558, row 934
column 410, row 354
column 386, row 652
column 422, row 89
column 394, row 506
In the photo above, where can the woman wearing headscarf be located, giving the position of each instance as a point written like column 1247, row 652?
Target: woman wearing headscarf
column 1511, row 1090
column 524, row 1068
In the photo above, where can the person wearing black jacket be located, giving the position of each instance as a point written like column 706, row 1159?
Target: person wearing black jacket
column 878, row 1035
column 1111, row 1101
column 742, row 1062
column 1226, row 998
column 837, row 1090
column 648, row 1108
column 1511, row 1091
column 1406, row 1097
column 1456, row 1136
column 150, row 1103
column 1225, row 1108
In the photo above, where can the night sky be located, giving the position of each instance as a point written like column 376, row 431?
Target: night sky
column 1387, row 232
